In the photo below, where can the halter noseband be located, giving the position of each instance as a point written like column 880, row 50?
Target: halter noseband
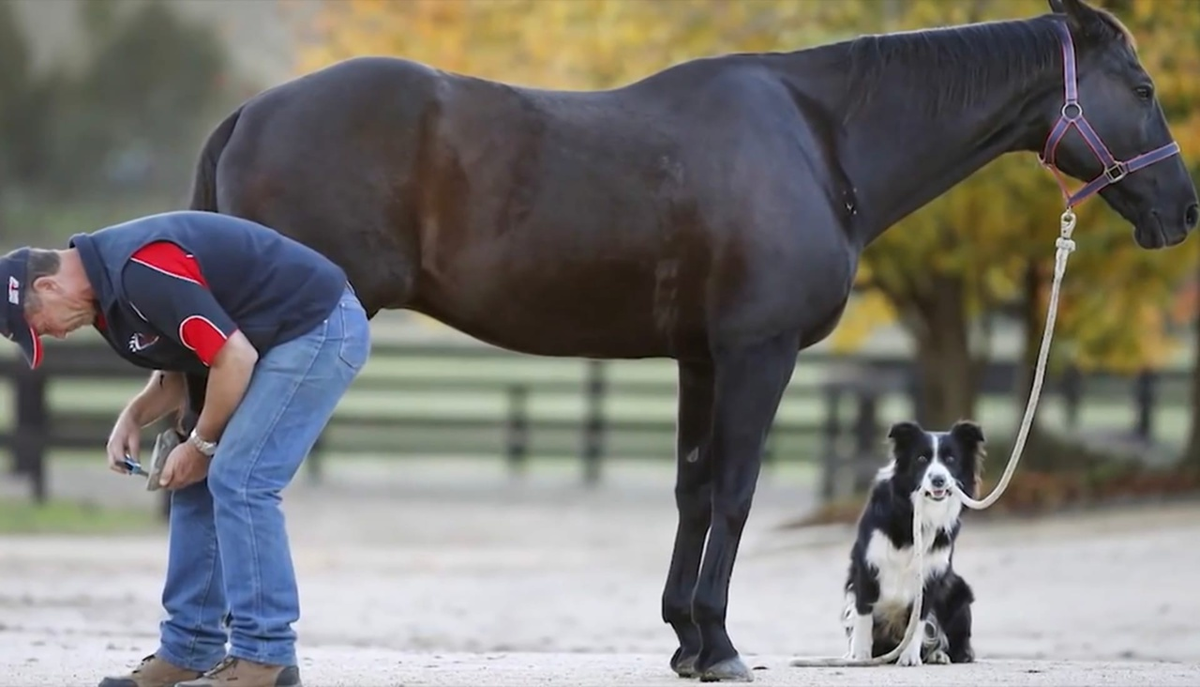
column 1072, row 114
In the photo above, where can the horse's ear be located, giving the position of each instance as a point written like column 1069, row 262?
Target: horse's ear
column 1081, row 17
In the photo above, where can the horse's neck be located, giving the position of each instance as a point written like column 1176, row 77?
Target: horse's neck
column 898, row 155
column 902, row 164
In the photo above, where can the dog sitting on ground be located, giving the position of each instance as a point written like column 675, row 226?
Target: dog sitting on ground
column 881, row 585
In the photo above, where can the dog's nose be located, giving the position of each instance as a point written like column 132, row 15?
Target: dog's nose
column 938, row 481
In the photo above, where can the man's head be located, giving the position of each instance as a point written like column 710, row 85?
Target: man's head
column 48, row 293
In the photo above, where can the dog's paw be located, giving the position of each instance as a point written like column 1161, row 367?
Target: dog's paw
column 909, row 658
column 938, row 657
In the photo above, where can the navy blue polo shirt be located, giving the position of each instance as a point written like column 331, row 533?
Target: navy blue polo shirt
column 171, row 288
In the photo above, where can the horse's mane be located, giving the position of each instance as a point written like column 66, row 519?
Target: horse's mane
column 1012, row 50
column 950, row 57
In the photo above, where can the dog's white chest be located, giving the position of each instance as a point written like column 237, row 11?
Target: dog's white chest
column 897, row 568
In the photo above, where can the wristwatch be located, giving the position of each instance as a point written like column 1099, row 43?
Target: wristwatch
column 208, row 448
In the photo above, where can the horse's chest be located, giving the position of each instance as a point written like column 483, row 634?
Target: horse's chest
column 897, row 569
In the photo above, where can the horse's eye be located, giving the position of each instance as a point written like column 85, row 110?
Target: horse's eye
column 1144, row 92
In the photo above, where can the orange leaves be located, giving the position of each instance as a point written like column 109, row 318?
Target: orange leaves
column 577, row 44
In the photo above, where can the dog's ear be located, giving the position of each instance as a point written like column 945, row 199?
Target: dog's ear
column 903, row 435
column 967, row 432
column 969, row 435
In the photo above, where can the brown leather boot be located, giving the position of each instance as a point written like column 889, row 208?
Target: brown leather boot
column 151, row 672
column 238, row 672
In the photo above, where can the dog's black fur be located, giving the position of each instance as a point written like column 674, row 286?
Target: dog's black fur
column 878, row 583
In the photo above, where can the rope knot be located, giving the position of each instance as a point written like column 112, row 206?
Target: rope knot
column 1066, row 244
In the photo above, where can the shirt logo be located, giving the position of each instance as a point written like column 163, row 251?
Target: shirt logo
column 14, row 291
column 140, row 342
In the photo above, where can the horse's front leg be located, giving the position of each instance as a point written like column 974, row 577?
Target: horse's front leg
column 750, row 381
column 693, row 500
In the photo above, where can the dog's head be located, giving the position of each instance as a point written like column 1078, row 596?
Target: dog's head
column 930, row 462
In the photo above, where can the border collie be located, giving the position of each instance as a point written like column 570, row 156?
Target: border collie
column 880, row 587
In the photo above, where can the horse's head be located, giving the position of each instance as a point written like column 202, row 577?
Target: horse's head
column 1116, row 137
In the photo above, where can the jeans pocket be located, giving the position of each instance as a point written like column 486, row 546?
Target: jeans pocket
column 355, row 343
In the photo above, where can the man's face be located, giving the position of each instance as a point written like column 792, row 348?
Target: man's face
column 55, row 311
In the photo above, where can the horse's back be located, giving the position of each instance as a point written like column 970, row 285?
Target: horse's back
column 498, row 208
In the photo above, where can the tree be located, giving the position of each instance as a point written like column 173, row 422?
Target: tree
column 141, row 106
column 584, row 44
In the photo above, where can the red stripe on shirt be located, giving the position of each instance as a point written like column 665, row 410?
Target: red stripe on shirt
column 169, row 258
column 195, row 332
column 202, row 336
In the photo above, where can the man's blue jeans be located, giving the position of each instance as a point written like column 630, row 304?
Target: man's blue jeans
column 228, row 543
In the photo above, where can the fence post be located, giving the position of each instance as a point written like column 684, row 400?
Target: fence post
column 517, row 434
column 1072, row 394
column 593, row 424
column 29, row 434
column 831, row 462
column 866, row 432
column 1144, row 393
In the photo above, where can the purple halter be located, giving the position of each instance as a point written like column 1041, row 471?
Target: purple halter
column 1072, row 114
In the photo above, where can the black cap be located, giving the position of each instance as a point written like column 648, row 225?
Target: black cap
column 13, row 324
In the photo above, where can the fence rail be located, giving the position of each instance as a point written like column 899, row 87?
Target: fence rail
column 590, row 409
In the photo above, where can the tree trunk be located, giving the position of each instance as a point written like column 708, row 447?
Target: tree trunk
column 947, row 373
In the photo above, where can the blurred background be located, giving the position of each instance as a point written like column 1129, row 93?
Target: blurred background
column 473, row 499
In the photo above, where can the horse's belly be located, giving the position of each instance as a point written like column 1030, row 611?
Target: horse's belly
column 604, row 317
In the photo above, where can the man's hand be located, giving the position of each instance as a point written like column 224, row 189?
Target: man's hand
column 185, row 466
column 164, row 393
column 122, row 441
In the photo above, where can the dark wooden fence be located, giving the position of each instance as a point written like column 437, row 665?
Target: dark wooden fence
column 844, row 440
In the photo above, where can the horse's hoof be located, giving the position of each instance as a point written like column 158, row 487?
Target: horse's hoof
column 729, row 670
column 684, row 666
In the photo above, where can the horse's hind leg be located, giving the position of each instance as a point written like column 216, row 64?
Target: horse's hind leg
column 750, row 381
column 693, row 500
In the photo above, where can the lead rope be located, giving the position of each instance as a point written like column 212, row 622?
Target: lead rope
column 1064, row 245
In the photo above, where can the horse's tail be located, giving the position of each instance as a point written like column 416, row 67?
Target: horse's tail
column 204, row 186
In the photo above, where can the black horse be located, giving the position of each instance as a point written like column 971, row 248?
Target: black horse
column 713, row 213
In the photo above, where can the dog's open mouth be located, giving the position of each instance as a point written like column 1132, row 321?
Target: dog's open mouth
column 937, row 494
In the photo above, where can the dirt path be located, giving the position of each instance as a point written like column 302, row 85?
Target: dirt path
column 448, row 574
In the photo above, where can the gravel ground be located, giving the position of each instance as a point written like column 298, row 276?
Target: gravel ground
column 451, row 574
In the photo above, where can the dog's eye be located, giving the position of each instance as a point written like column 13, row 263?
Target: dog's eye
column 923, row 458
column 948, row 459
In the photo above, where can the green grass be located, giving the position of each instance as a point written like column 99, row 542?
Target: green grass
column 20, row 515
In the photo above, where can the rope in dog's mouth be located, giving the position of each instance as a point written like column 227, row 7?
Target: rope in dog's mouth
column 1064, row 245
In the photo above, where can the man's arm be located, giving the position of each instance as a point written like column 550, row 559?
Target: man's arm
column 166, row 286
column 227, row 382
column 161, row 395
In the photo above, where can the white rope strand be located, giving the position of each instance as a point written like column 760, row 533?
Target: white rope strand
column 1064, row 245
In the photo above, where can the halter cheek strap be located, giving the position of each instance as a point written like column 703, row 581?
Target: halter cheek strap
column 1072, row 115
